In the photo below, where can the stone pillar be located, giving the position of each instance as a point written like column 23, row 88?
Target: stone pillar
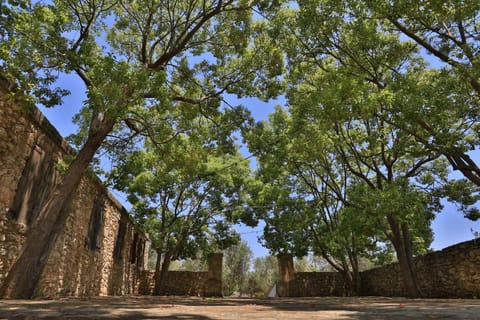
column 213, row 286
column 146, row 251
column 286, row 273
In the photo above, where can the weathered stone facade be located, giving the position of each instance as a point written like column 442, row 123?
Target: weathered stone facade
column 99, row 251
column 450, row 273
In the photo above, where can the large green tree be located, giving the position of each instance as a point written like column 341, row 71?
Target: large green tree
column 348, row 78
column 126, row 54
column 448, row 33
column 304, row 197
column 184, row 194
column 438, row 36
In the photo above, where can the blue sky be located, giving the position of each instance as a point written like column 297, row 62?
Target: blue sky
column 449, row 226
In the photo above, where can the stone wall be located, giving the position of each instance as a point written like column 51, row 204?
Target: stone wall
column 99, row 251
column 187, row 283
column 450, row 273
column 178, row 283
column 314, row 284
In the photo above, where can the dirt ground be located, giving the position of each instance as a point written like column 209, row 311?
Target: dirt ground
column 146, row 307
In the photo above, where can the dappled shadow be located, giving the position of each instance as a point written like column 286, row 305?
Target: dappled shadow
column 359, row 308
column 152, row 307
column 373, row 308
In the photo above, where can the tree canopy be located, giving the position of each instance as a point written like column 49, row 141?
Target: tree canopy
column 380, row 100
column 144, row 65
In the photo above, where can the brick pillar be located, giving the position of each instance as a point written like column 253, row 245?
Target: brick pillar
column 286, row 273
column 213, row 287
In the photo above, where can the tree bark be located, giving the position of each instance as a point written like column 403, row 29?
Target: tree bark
column 403, row 247
column 158, row 268
column 26, row 271
column 161, row 275
column 355, row 273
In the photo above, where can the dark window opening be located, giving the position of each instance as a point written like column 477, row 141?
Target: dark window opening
column 95, row 226
column 117, row 250
column 38, row 177
column 133, row 249
column 140, row 254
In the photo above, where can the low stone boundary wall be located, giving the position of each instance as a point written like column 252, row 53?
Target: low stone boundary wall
column 453, row 272
column 187, row 283
column 315, row 284
column 177, row 283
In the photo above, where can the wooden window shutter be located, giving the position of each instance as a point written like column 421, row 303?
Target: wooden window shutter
column 38, row 177
column 117, row 250
column 95, row 226
column 133, row 249
column 140, row 253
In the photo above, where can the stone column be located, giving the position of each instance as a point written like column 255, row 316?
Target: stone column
column 286, row 274
column 213, row 286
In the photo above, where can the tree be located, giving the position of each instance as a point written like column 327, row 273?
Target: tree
column 126, row 53
column 304, row 197
column 197, row 264
column 347, row 80
column 447, row 32
column 236, row 267
column 309, row 264
column 184, row 194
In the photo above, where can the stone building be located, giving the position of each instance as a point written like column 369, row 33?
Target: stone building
column 99, row 252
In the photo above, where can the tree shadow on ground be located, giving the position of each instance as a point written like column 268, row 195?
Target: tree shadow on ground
column 95, row 308
column 354, row 308
column 148, row 307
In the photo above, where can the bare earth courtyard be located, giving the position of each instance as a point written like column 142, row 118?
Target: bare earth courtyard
column 147, row 307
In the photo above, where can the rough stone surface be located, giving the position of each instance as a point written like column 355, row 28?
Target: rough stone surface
column 286, row 275
column 181, row 283
column 450, row 273
column 73, row 268
column 317, row 284
column 213, row 286
column 205, row 284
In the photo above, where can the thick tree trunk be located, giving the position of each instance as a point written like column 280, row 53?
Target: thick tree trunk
column 158, row 269
column 161, row 275
column 355, row 275
column 25, row 273
column 464, row 163
column 355, row 270
column 403, row 248
column 352, row 280
column 349, row 282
